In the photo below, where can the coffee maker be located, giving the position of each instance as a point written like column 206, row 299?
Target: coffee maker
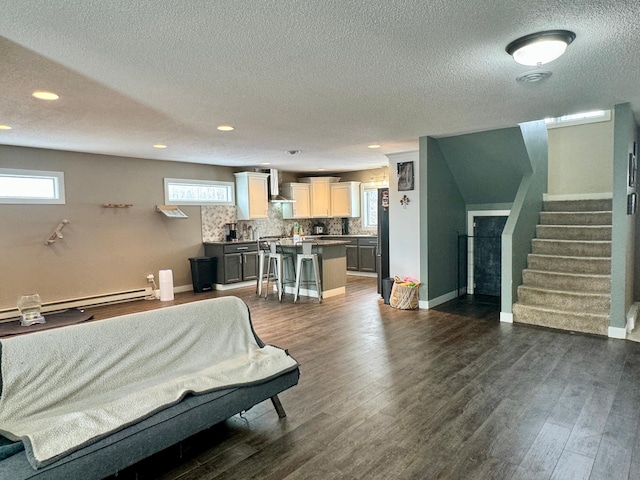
column 231, row 232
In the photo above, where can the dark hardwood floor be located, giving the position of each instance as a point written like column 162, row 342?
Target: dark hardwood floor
column 447, row 393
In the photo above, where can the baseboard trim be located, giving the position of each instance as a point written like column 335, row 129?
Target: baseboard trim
column 506, row 317
column 632, row 316
column 617, row 332
column 578, row 196
column 447, row 297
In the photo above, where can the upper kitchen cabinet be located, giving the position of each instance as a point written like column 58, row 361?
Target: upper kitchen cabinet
column 320, row 195
column 252, row 195
column 301, row 208
column 345, row 199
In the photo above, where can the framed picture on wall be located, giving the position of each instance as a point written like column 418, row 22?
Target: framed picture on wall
column 632, row 204
column 633, row 170
column 405, row 176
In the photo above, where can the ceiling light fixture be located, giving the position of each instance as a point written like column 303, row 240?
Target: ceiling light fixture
column 225, row 128
column 373, row 145
column 539, row 48
column 159, row 145
column 5, row 127
column 44, row 95
column 292, row 152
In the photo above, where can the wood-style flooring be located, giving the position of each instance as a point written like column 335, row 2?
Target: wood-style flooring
column 447, row 393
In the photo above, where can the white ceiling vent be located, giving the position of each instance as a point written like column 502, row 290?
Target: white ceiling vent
column 533, row 76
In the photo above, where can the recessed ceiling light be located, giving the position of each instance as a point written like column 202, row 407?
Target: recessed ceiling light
column 321, row 169
column 5, row 127
column 44, row 95
column 292, row 152
column 373, row 145
column 225, row 128
column 159, row 145
column 539, row 48
column 265, row 163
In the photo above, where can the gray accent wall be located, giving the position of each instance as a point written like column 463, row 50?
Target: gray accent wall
column 525, row 212
column 485, row 168
column 445, row 218
column 623, row 228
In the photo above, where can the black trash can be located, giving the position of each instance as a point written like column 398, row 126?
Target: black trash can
column 203, row 273
column 387, row 285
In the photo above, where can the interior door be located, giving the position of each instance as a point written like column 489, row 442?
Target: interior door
column 487, row 252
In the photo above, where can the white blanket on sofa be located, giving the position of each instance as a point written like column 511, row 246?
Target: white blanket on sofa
column 67, row 387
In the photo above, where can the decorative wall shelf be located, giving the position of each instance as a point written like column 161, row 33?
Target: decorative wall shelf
column 56, row 233
column 171, row 211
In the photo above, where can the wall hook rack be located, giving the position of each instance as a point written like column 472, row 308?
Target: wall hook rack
column 117, row 205
column 56, row 233
column 404, row 201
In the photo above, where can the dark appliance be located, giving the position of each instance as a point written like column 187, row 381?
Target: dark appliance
column 345, row 226
column 382, row 253
column 230, row 231
column 319, row 229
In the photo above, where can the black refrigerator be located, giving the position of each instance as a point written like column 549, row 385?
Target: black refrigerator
column 382, row 253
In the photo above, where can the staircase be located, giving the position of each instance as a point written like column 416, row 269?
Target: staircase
column 567, row 284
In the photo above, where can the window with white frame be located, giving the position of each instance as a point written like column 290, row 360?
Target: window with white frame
column 179, row 191
column 369, row 207
column 31, row 186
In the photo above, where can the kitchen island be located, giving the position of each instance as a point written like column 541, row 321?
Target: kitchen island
column 332, row 261
column 237, row 265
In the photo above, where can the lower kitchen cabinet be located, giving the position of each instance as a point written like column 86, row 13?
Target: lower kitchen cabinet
column 237, row 262
column 353, row 263
column 367, row 254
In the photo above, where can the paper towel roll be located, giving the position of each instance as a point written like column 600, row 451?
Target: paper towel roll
column 166, row 285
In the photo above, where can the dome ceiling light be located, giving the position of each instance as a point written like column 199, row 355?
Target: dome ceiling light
column 539, row 48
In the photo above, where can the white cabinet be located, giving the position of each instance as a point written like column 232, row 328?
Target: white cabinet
column 345, row 199
column 301, row 208
column 320, row 195
column 252, row 195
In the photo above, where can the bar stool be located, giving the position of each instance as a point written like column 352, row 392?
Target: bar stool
column 276, row 258
column 308, row 255
column 263, row 251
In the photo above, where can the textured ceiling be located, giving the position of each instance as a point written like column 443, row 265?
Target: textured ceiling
column 327, row 77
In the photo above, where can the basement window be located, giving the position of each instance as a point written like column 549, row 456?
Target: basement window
column 31, row 186
column 178, row 191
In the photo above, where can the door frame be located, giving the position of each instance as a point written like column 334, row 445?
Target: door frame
column 471, row 214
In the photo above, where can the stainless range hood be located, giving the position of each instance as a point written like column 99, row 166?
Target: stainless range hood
column 274, row 188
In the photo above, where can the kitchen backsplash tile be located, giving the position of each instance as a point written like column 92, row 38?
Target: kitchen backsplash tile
column 214, row 218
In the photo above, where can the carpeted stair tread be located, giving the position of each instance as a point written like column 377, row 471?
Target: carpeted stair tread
column 575, row 218
column 571, row 248
column 574, row 232
column 595, row 323
column 565, row 299
column 566, row 281
column 578, row 205
column 569, row 264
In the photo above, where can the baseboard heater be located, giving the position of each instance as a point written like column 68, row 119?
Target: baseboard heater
column 91, row 301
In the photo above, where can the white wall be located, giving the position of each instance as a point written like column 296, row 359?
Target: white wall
column 404, row 223
column 581, row 159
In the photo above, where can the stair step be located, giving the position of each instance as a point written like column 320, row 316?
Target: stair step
column 567, row 281
column 574, row 232
column 575, row 218
column 568, row 264
column 553, row 318
column 565, row 300
column 578, row 205
column 571, row 248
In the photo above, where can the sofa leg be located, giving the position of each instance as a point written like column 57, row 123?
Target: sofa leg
column 278, row 406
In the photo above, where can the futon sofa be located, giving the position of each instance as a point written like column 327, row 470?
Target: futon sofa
column 85, row 401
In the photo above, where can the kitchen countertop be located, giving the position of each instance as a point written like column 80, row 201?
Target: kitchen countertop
column 317, row 238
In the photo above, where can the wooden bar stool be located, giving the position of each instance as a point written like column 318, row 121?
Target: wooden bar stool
column 276, row 258
column 308, row 255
